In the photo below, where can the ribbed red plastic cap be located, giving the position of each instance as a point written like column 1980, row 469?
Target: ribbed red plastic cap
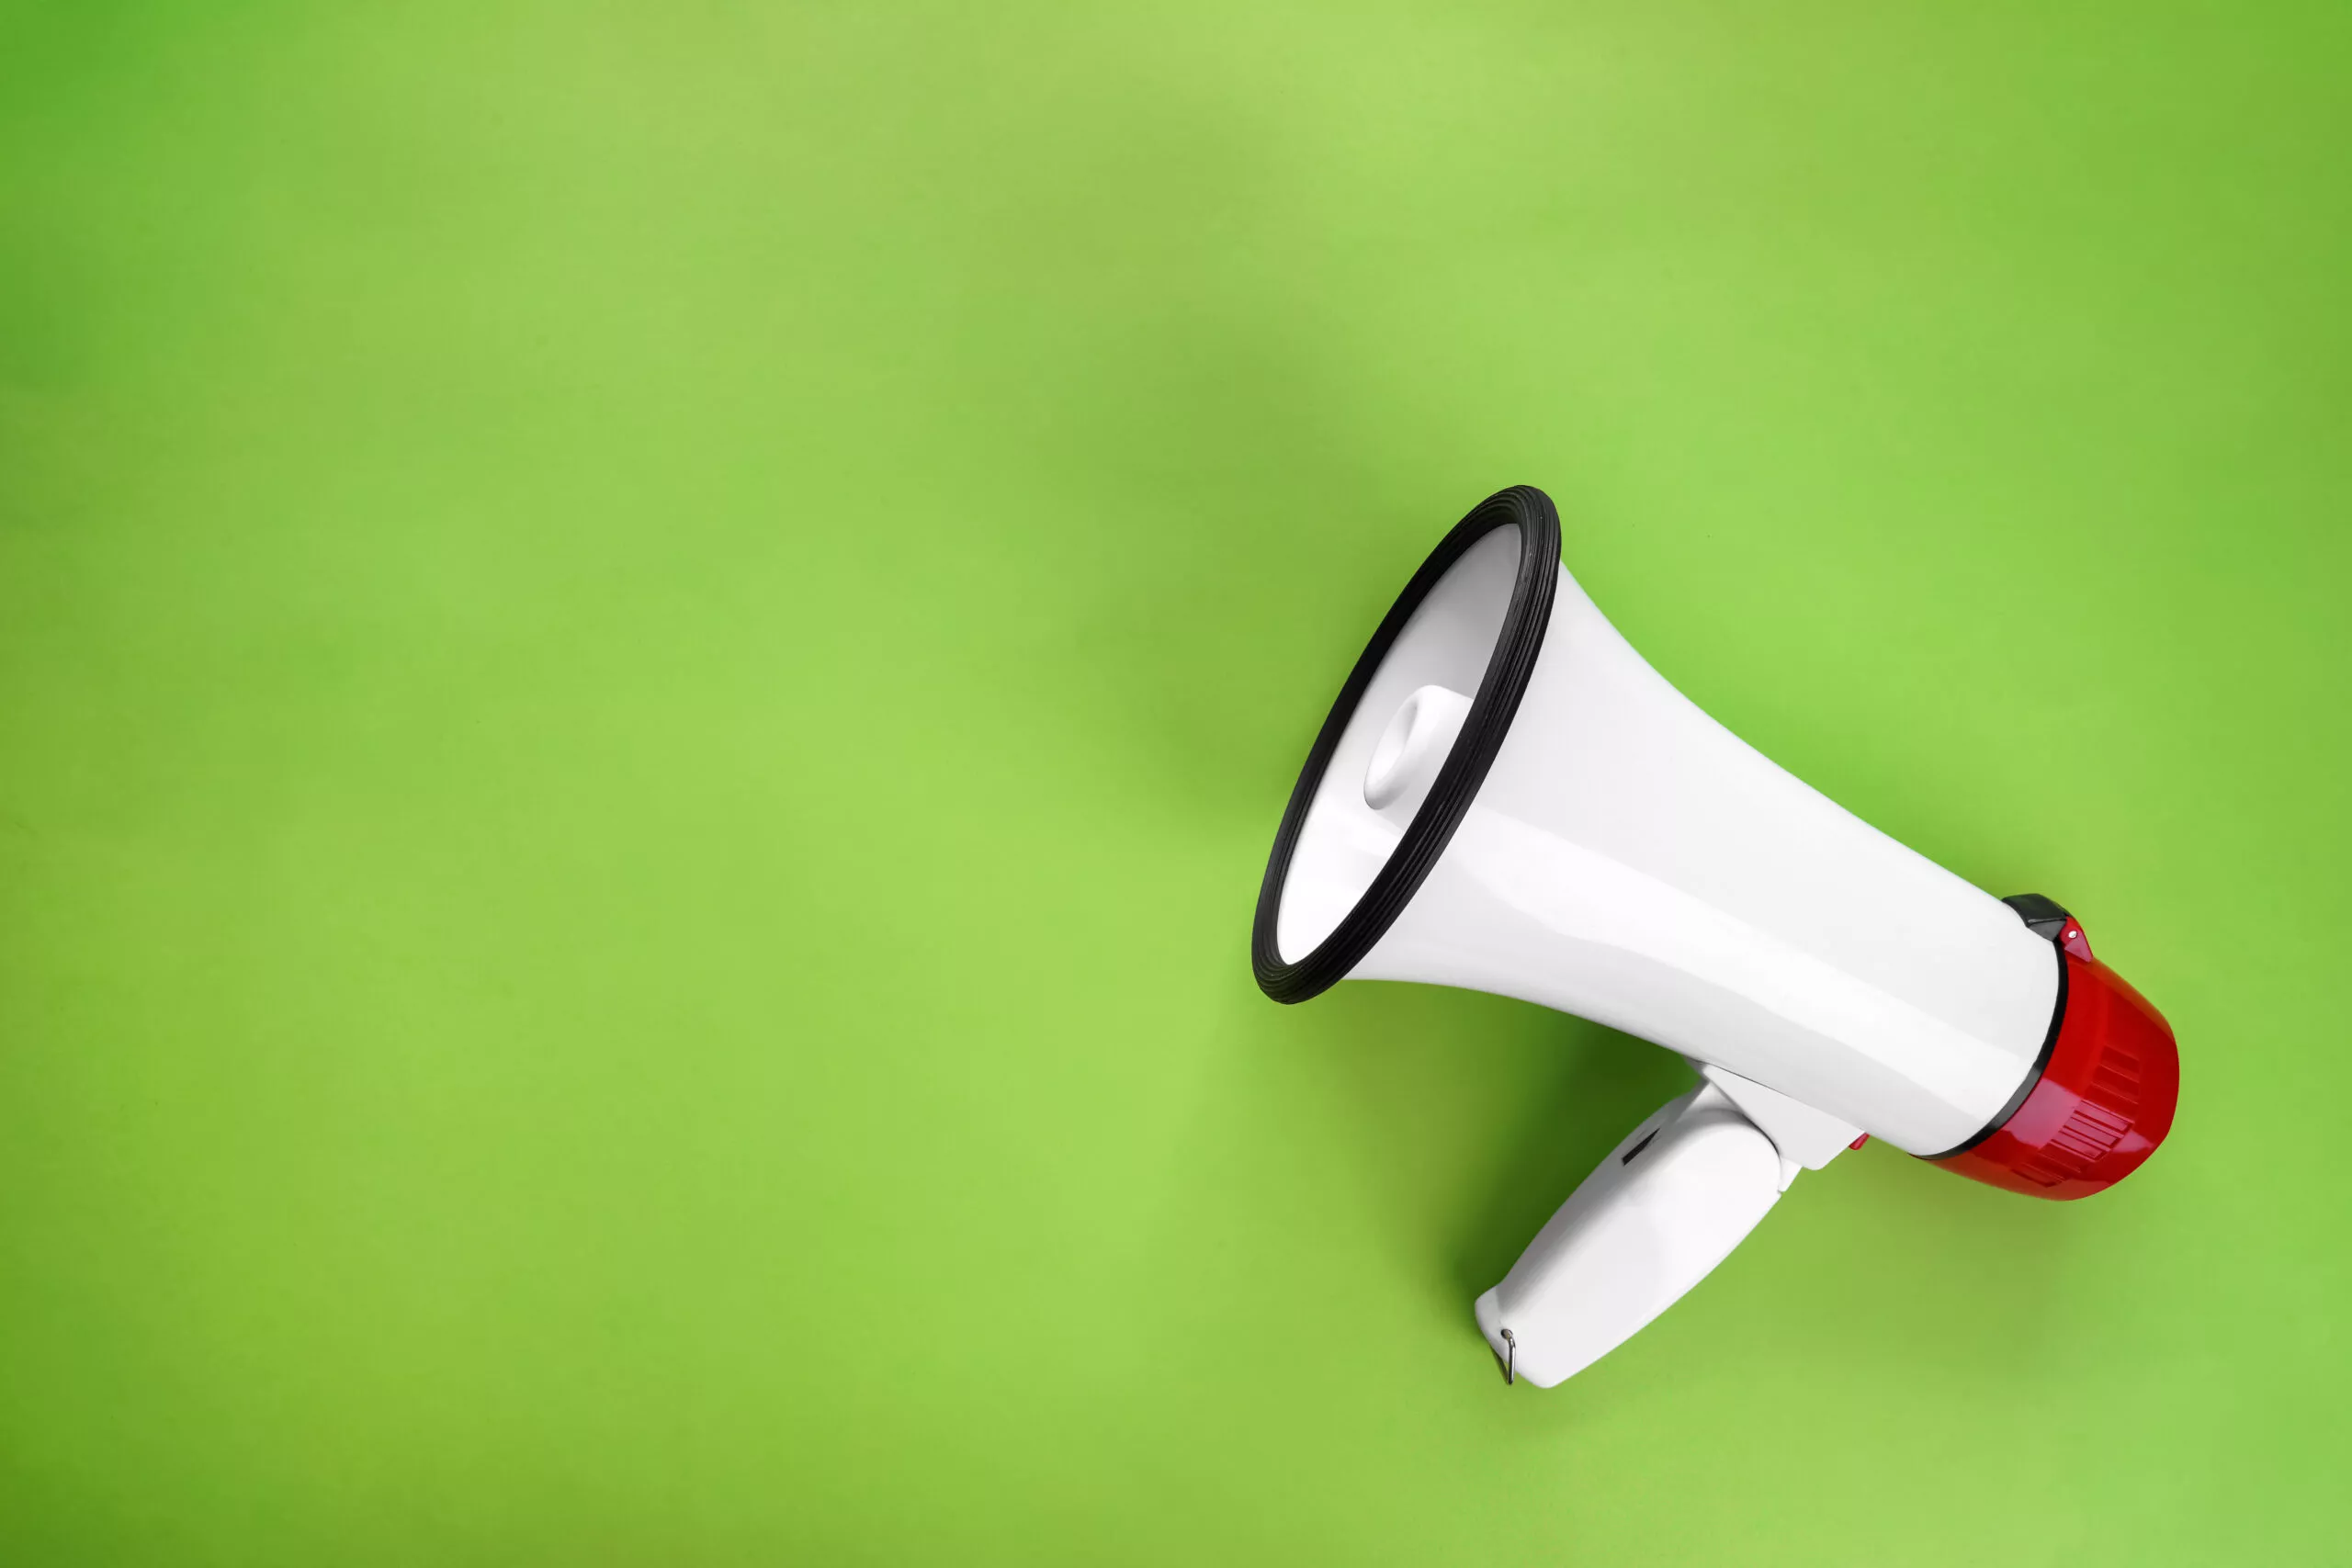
column 2104, row 1103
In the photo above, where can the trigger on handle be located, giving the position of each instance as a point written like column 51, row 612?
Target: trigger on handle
column 1511, row 1360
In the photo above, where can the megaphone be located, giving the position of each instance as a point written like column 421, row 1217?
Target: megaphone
column 1506, row 797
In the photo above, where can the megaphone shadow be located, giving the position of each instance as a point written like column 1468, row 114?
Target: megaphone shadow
column 1479, row 1115
column 1476, row 1116
column 1596, row 1087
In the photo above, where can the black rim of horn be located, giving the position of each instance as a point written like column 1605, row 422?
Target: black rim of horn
column 1508, row 668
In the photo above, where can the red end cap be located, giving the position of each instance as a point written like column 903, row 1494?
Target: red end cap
column 2104, row 1103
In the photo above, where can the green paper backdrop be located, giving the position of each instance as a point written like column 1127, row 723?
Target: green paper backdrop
column 648, row 653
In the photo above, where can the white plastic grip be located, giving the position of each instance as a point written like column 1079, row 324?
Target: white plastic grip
column 1666, row 1206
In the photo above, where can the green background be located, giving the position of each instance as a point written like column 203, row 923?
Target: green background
column 648, row 653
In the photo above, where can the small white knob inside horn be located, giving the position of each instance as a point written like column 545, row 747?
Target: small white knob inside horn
column 1411, row 751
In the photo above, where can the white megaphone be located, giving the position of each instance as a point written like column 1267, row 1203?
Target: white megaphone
column 1506, row 797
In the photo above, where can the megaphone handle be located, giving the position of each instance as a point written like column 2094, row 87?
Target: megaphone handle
column 1654, row 1218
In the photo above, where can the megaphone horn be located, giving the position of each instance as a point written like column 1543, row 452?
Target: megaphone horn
column 1506, row 797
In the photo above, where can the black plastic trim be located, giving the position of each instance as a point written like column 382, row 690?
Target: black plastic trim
column 1508, row 669
column 2043, row 916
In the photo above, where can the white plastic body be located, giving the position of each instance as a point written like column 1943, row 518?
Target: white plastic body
column 1807, row 1139
column 1666, row 1205
column 1632, row 861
